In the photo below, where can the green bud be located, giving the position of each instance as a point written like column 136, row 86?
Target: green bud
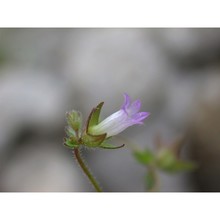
column 74, row 120
column 71, row 142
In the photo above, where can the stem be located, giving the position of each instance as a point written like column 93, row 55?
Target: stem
column 86, row 170
column 155, row 182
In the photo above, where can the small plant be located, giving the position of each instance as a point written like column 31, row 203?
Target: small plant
column 98, row 133
column 165, row 158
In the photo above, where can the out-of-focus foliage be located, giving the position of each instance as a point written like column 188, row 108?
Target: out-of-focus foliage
column 164, row 158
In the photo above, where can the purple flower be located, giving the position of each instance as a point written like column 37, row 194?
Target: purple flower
column 127, row 116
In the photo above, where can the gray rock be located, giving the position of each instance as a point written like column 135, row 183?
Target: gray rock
column 190, row 47
column 204, row 135
column 105, row 63
column 41, row 167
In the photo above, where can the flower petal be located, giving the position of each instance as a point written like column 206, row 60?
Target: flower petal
column 134, row 108
column 127, row 116
column 140, row 116
column 127, row 101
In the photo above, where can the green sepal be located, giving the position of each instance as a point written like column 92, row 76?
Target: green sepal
column 89, row 139
column 93, row 140
column 110, row 146
column 70, row 143
column 94, row 116
column 145, row 157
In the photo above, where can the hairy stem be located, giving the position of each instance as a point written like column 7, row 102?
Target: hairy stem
column 86, row 170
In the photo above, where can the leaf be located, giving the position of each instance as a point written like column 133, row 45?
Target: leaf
column 166, row 159
column 180, row 165
column 144, row 157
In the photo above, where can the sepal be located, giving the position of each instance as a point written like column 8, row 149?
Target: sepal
column 77, row 137
column 94, row 116
column 93, row 140
column 110, row 146
column 70, row 143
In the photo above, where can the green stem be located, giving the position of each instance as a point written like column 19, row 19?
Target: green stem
column 154, row 184
column 86, row 170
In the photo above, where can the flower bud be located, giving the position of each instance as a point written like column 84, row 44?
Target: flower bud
column 74, row 120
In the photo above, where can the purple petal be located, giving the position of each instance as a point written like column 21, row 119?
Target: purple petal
column 140, row 116
column 127, row 116
column 135, row 107
column 127, row 101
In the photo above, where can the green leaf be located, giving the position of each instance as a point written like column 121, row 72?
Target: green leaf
column 144, row 157
column 165, row 159
column 180, row 165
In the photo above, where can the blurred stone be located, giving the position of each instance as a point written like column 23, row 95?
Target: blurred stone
column 204, row 136
column 116, row 170
column 35, row 48
column 41, row 167
column 105, row 63
column 30, row 98
column 190, row 47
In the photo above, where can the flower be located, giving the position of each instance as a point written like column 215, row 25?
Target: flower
column 96, row 133
column 127, row 116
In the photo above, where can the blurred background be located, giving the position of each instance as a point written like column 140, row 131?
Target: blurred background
column 46, row 72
